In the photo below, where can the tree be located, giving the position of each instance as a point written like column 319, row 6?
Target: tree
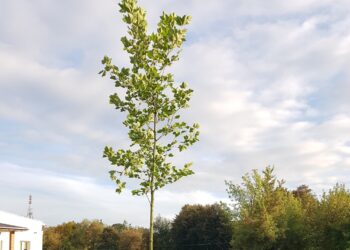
column 332, row 219
column 306, row 197
column 131, row 239
column 162, row 231
column 162, row 235
column 267, row 216
column 51, row 239
column 93, row 233
column 309, row 204
column 121, row 226
column 152, row 101
column 71, row 235
column 109, row 239
column 202, row 227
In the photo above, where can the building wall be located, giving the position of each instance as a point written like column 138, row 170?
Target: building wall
column 34, row 234
column 4, row 238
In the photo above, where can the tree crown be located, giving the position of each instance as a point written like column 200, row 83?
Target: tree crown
column 152, row 100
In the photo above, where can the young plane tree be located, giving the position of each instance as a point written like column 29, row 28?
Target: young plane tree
column 152, row 101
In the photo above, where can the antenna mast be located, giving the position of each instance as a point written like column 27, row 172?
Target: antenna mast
column 30, row 210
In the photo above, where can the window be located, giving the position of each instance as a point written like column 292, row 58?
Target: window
column 25, row 245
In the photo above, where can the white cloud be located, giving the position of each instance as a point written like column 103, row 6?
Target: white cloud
column 271, row 87
column 60, row 197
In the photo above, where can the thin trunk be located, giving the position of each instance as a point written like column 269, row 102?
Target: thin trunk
column 152, row 181
column 151, row 222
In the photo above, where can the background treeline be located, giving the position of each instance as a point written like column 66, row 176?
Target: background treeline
column 264, row 214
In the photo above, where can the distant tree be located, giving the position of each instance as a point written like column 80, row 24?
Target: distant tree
column 73, row 235
column 202, row 227
column 302, row 191
column 153, row 102
column 93, row 232
column 109, row 239
column 162, row 235
column 145, row 240
column 332, row 220
column 309, row 204
column 131, row 239
column 267, row 216
column 306, row 197
column 51, row 239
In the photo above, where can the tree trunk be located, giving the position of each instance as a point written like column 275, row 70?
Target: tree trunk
column 152, row 180
column 151, row 222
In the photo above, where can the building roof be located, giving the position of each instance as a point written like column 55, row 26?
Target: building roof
column 21, row 222
column 14, row 219
column 7, row 227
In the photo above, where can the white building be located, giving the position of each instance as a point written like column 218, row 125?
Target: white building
column 20, row 233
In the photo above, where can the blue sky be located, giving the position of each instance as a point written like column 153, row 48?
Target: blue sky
column 271, row 81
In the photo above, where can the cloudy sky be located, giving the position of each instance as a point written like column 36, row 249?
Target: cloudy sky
column 272, row 87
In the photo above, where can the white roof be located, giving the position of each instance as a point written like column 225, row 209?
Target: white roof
column 17, row 220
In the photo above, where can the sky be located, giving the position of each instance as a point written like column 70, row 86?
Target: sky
column 271, row 83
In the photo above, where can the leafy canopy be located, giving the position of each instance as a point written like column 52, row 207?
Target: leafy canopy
column 267, row 215
column 151, row 99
